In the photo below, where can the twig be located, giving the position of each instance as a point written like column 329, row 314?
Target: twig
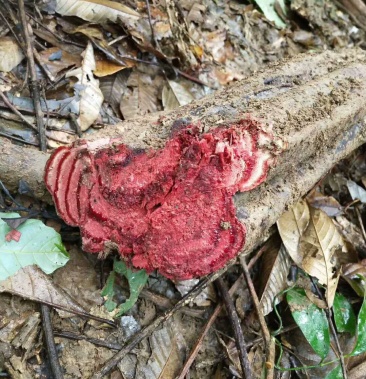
column 18, row 139
column 79, row 313
column 197, row 345
column 8, row 194
column 33, row 82
column 239, row 336
column 45, row 69
column 9, row 25
column 205, row 329
column 76, row 125
column 50, row 343
column 148, row 330
column 155, row 42
column 328, row 312
column 11, row 107
column 165, row 303
column 268, row 340
column 94, row 341
column 359, row 217
column 58, row 37
column 213, row 317
column 259, row 253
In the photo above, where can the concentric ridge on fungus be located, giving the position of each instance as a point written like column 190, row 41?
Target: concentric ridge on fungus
column 169, row 209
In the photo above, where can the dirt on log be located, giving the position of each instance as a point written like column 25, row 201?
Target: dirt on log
column 316, row 103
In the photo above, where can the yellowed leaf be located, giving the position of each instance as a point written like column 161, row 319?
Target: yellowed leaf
column 273, row 278
column 89, row 96
column 10, row 54
column 105, row 67
column 97, row 11
column 322, row 244
column 181, row 92
column 168, row 98
column 291, row 225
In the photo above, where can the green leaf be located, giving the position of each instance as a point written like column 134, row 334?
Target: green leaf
column 108, row 292
column 267, row 7
column 361, row 330
column 311, row 320
column 344, row 316
column 136, row 281
column 336, row 373
column 38, row 245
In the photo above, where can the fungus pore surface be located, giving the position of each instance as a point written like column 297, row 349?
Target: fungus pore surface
column 169, row 209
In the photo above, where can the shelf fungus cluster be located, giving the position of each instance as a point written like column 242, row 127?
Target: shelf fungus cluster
column 169, row 209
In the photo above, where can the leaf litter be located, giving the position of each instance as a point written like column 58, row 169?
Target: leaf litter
column 188, row 51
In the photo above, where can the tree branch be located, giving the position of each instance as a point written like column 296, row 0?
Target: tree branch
column 316, row 102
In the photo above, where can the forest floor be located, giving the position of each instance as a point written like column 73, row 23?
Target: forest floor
column 105, row 62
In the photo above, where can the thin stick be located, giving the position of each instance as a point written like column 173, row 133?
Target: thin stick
column 33, row 82
column 11, row 107
column 328, row 312
column 76, row 312
column 148, row 330
column 18, row 139
column 205, row 329
column 238, row 333
column 259, row 253
column 94, row 341
column 359, row 218
column 43, row 67
column 213, row 317
column 50, row 343
column 268, row 340
column 155, row 42
column 58, row 37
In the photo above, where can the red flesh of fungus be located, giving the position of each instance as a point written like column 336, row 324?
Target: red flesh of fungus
column 169, row 209
column 13, row 235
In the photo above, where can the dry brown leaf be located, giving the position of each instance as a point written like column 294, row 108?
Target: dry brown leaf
column 56, row 60
column 274, row 271
column 354, row 274
column 321, row 245
column 315, row 244
column 113, row 88
column 196, row 14
column 87, row 90
column 291, row 225
column 141, row 96
column 328, row 204
column 10, row 54
column 356, row 191
column 78, row 278
column 28, row 333
column 98, row 11
column 169, row 100
column 175, row 95
column 60, row 138
column 33, row 284
column 104, row 67
column 204, row 299
column 167, row 351
column 232, row 354
column 17, row 368
column 351, row 233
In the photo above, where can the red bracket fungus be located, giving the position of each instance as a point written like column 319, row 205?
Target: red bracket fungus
column 169, row 209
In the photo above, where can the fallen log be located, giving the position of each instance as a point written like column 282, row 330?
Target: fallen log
column 316, row 103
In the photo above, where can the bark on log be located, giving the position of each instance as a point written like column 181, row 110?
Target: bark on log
column 316, row 102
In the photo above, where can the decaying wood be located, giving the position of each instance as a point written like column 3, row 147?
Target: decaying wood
column 317, row 103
